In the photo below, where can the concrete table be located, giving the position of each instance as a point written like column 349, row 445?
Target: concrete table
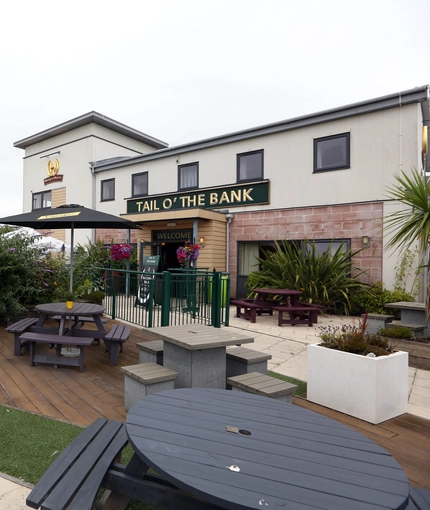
column 198, row 353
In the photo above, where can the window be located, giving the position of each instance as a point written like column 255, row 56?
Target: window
column 41, row 200
column 108, row 190
column 250, row 166
column 321, row 246
column 139, row 184
column 331, row 152
column 188, row 176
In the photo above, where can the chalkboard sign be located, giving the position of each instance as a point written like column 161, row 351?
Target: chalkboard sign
column 150, row 266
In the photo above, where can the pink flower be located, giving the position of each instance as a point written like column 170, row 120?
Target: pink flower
column 189, row 251
column 120, row 251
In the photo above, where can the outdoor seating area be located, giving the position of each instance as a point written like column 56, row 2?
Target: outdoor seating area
column 99, row 391
column 282, row 301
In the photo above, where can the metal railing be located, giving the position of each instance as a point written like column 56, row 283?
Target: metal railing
column 179, row 296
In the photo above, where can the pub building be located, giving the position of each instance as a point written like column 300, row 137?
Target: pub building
column 321, row 177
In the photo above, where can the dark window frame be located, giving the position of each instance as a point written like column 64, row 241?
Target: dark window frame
column 133, row 194
column 249, row 153
column 102, row 183
column 341, row 166
column 187, row 165
column 41, row 194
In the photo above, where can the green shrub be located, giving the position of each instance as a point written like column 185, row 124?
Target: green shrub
column 324, row 278
column 27, row 276
column 373, row 299
column 400, row 332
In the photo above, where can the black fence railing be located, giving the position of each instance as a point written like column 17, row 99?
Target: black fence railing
column 178, row 296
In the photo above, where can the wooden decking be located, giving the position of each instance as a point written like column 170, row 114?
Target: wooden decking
column 80, row 398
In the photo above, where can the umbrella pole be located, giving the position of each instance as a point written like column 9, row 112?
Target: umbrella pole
column 69, row 351
column 71, row 257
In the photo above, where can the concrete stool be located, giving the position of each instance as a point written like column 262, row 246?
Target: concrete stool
column 151, row 352
column 264, row 385
column 241, row 360
column 376, row 321
column 145, row 378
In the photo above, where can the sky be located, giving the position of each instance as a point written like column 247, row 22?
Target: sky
column 185, row 70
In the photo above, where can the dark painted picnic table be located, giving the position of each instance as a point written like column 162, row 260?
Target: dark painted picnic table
column 242, row 451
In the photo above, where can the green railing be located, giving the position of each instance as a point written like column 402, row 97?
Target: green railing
column 178, row 296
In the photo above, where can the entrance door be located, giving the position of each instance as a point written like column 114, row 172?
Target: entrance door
column 169, row 259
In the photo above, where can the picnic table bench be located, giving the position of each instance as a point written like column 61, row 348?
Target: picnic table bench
column 298, row 314
column 113, row 341
column 92, row 461
column 250, row 309
column 32, row 338
column 18, row 328
column 281, row 300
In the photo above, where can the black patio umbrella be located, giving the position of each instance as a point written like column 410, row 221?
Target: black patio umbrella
column 68, row 216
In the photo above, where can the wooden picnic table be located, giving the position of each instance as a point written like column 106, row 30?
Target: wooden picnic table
column 69, row 332
column 242, row 451
column 281, row 300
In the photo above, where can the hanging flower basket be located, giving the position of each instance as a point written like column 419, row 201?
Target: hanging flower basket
column 187, row 253
column 120, row 251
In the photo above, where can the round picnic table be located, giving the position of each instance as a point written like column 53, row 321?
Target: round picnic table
column 242, row 451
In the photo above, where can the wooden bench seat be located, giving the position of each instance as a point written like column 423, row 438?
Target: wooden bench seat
column 59, row 341
column 151, row 352
column 250, row 309
column 263, row 385
column 114, row 340
column 242, row 360
column 145, row 378
column 302, row 314
column 18, row 328
column 72, row 481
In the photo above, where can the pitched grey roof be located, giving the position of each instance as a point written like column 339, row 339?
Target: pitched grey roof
column 88, row 118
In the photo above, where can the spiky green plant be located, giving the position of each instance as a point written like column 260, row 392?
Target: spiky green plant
column 410, row 225
column 324, row 278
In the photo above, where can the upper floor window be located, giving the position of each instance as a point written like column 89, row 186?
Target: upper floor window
column 42, row 200
column 331, row 152
column 250, row 166
column 188, row 176
column 139, row 184
column 108, row 190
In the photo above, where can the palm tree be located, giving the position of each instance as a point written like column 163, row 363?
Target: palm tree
column 412, row 224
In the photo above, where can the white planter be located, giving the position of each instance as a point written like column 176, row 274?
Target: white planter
column 372, row 389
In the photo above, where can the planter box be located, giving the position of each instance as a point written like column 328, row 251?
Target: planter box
column 372, row 389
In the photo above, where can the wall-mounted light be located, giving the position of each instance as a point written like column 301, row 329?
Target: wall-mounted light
column 171, row 224
column 365, row 240
column 202, row 242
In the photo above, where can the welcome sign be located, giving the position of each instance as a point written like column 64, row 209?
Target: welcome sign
column 227, row 196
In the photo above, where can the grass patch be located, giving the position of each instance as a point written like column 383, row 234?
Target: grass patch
column 302, row 385
column 30, row 443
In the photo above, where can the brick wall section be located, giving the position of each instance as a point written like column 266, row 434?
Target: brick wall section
column 350, row 221
column 108, row 236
